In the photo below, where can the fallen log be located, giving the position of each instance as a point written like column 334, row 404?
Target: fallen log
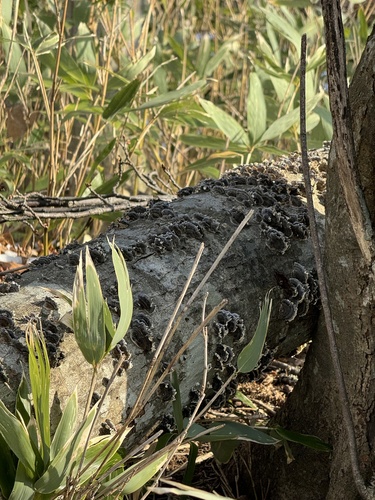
column 160, row 242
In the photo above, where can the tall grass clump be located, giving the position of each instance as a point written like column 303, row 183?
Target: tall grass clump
column 101, row 96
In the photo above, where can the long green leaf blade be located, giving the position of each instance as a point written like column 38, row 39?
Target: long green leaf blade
column 66, row 425
column 174, row 95
column 54, row 479
column 39, row 371
column 226, row 123
column 249, row 356
column 122, row 99
column 125, row 295
column 16, row 437
column 256, row 109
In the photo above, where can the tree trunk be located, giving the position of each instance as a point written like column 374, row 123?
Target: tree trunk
column 314, row 407
column 160, row 243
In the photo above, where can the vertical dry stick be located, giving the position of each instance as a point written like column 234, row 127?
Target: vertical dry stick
column 342, row 127
column 53, row 144
column 343, row 395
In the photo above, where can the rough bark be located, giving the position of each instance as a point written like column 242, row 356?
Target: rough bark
column 314, row 406
column 160, row 243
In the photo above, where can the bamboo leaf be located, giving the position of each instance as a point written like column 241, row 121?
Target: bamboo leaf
column 135, row 69
column 122, row 99
column 238, row 432
column 226, row 123
column 284, row 28
column 125, row 295
column 23, row 488
column 16, row 436
column 39, row 372
column 66, row 425
column 249, row 356
column 54, row 479
column 136, row 476
column 174, row 95
column 256, row 109
column 305, row 439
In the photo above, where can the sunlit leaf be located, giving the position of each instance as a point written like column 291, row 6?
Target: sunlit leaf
column 187, row 491
column 66, row 426
column 124, row 293
column 174, row 95
column 16, row 436
column 256, row 108
column 226, row 123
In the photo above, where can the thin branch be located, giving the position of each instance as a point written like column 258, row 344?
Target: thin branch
column 343, row 395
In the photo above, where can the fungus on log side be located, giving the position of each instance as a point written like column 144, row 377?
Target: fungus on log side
column 159, row 243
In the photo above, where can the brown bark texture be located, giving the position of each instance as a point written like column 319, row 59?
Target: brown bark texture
column 314, row 407
column 159, row 243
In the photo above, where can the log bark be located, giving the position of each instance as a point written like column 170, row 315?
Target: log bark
column 159, row 243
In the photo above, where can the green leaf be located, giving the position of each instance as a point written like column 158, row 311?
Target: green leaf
column 14, row 156
column 7, row 469
column 281, row 125
column 220, row 56
column 176, row 403
column 122, row 99
column 13, row 49
column 102, row 156
column 190, row 468
column 23, row 401
column 238, row 432
column 245, row 400
column 284, row 28
column 135, row 69
column 88, row 313
column 54, row 479
column 249, row 356
column 226, row 123
column 204, row 54
column 223, row 450
column 16, row 436
column 326, row 120
column 23, row 488
column 46, row 44
column 66, row 426
column 137, row 475
column 39, row 371
column 174, row 95
column 205, row 164
column 256, row 109
column 124, row 293
column 202, row 141
column 100, row 455
column 304, row 439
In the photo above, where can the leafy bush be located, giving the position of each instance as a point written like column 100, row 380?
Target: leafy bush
column 92, row 90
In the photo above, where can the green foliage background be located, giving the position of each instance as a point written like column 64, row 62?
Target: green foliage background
column 177, row 89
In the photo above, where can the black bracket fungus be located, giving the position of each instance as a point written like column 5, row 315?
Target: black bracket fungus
column 9, row 287
column 229, row 323
column 167, row 392
column 120, row 351
column 222, row 356
column 142, row 336
column 143, row 301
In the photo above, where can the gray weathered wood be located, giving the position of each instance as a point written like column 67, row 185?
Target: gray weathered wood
column 160, row 243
